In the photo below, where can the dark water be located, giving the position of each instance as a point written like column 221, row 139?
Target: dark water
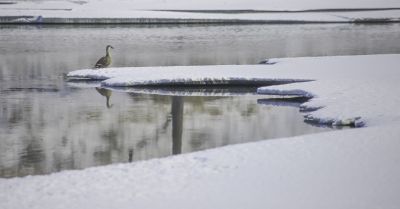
column 48, row 124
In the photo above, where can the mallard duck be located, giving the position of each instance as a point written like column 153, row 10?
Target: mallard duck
column 106, row 60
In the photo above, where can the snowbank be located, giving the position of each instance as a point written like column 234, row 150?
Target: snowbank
column 250, row 75
column 260, row 5
column 347, row 90
column 178, row 11
column 338, row 81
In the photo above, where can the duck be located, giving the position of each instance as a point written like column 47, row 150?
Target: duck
column 106, row 60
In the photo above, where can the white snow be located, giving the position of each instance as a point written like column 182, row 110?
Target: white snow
column 347, row 88
column 182, row 75
column 157, row 10
column 243, row 5
column 291, row 5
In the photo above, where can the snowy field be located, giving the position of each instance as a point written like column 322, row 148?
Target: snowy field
column 221, row 11
column 354, row 168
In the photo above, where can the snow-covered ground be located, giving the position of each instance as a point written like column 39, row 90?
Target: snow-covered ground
column 353, row 168
column 283, row 5
column 178, row 11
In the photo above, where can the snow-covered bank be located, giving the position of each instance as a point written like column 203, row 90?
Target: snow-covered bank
column 251, row 75
column 338, row 81
column 177, row 17
column 355, row 168
column 176, row 11
column 288, row 5
column 351, row 90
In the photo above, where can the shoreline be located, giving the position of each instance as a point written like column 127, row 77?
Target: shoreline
column 39, row 20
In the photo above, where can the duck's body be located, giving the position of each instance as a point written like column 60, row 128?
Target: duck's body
column 106, row 60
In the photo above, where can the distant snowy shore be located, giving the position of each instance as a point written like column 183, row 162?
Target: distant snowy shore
column 176, row 11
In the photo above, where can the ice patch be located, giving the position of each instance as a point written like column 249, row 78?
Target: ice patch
column 292, row 92
column 354, row 122
column 347, row 91
column 340, row 87
column 218, row 75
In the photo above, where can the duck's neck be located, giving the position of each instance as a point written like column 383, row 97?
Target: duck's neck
column 107, row 52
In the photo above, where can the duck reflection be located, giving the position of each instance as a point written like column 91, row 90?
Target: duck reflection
column 107, row 93
column 130, row 155
column 177, row 124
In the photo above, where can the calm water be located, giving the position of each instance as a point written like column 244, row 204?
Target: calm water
column 48, row 124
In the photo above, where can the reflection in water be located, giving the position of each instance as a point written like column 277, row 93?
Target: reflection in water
column 177, row 124
column 107, row 93
column 56, row 134
column 130, row 155
column 239, row 90
column 284, row 101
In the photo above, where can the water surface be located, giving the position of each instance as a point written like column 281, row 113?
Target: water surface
column 48, row 125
